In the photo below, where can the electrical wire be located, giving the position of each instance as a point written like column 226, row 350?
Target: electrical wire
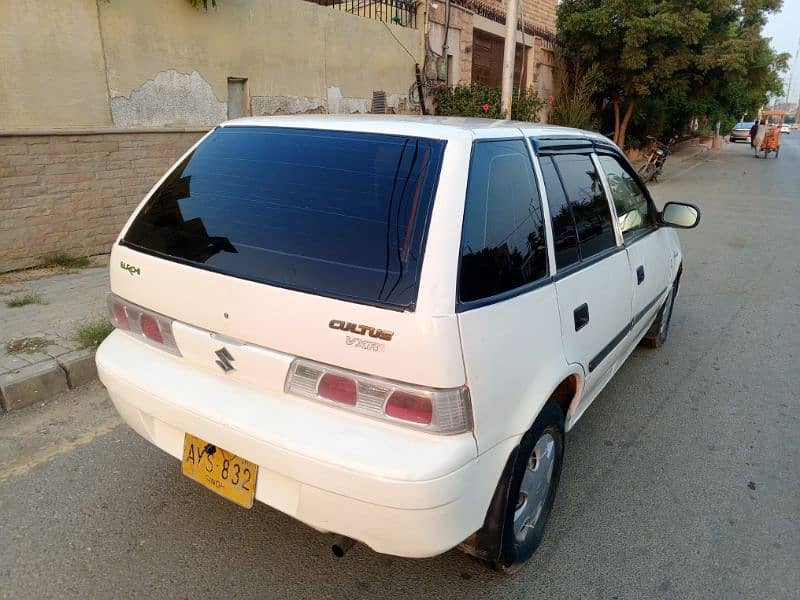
column 414, row 58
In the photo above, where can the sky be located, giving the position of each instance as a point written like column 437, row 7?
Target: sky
column 784, row 29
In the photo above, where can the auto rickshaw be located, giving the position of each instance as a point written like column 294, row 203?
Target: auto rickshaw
column 772, row 141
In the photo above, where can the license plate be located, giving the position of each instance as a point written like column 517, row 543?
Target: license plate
column 223, row 472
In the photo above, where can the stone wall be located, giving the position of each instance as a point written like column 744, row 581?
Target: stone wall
column 73, row 192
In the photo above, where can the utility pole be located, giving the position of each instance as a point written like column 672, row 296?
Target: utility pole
column 791, row 73
column 509, row 51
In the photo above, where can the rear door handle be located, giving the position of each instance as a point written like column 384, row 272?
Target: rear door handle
column 639, row 274
column 581, row 315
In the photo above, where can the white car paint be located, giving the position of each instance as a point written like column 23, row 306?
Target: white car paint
column 398, row 490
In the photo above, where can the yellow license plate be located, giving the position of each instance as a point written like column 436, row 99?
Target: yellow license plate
column 220, row 471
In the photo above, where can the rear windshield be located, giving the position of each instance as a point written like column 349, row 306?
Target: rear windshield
column 339, row 214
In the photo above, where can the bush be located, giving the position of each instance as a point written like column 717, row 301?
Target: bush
column 18, row 301
column 62, row 259
column 478, row 100
column 573, row 106
column 90, row 335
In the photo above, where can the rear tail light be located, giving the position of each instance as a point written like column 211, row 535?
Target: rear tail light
column 147, row 325
column 443, row 411
column 338, row 388
column 410, row 407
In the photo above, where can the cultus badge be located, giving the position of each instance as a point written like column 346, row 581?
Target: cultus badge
column 358, row 329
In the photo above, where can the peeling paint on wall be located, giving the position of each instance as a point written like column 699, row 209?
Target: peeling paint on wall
column 335, row 103
column 286, row 105
column 338, row 104
column 171, row 98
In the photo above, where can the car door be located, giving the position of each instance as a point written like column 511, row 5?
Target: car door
column 506, row 305
column 592, row 273
column 649, row 254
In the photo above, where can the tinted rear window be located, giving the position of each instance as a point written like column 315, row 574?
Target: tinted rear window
column 339, row 214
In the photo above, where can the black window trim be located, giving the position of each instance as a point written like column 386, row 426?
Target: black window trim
column 586, row 263
column 525, row 288
column 582, row 263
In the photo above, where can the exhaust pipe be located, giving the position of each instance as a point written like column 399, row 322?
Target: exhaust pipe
column 341, row 545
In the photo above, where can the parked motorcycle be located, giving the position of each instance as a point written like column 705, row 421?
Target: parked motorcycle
column 655, row 162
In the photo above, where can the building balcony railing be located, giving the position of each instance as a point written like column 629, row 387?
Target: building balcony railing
column 399, row 12
column 495, row 11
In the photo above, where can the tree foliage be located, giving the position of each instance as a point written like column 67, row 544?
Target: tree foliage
column 696, row 57
column 573, row 106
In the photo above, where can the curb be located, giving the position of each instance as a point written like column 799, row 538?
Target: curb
column 43, row 381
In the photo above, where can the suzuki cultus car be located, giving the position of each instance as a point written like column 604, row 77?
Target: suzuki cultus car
column 384, row 326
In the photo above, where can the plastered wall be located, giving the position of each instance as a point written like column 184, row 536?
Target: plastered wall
column 161, row 63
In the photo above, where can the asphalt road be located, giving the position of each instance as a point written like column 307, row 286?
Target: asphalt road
column 681, row 481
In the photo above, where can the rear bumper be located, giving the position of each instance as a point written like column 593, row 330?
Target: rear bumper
column 400, row 492
column 740, row 135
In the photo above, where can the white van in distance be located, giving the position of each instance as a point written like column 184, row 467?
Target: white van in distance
column 384, row 326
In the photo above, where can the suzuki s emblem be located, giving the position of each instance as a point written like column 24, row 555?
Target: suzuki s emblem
column 225, row 359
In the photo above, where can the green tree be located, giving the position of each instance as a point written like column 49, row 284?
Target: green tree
column 704, row 54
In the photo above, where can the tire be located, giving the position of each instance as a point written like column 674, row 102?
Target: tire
column 517, row 517
column 659, row 330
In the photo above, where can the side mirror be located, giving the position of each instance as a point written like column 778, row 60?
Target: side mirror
column 678, row 214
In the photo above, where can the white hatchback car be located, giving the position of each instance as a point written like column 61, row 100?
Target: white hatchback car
column 383, row 326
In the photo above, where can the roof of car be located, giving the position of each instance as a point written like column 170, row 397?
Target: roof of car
column 421, row 126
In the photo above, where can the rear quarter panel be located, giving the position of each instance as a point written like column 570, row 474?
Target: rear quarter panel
column 514, row 358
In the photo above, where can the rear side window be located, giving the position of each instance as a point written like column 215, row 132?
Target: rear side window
column 503, row 240
column 633, row 209
column 588, row 202
column 565, row 234
column 338, row 214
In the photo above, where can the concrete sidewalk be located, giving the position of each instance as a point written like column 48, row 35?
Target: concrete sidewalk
column 40, row 355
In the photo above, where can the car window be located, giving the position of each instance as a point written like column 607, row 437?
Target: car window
column 503, row 240
column 565, row 235
column 588, row 202
column 633, row 209
column 327, row 212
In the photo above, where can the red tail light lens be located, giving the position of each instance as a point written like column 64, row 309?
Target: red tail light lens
column 150, row 328
column 409, row 407
column 146, row 325
column 339, row 389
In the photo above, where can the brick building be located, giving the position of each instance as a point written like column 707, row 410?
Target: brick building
column 474, row 43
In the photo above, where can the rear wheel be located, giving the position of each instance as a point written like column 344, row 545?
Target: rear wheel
column 517, row 517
